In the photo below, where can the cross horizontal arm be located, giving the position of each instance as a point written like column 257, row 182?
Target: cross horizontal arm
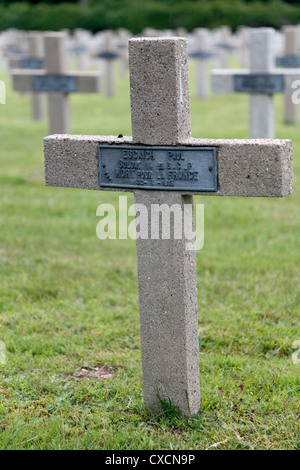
column 15, row 64
column 86, row 82
column 255, row 167
column 224, row 80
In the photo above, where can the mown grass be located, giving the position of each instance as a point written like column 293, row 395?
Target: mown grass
column 69, row 300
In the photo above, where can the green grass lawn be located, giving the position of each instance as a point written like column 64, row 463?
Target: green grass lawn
column 69, row 301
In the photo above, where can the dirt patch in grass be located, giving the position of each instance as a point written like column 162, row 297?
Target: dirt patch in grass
column 92, row 373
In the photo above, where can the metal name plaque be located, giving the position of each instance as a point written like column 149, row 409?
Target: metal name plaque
column 160, row 168
column 288, row 62
column 78, row 49
column 258, row 83
column 32, row 63
column 200, row 55
column 59, row 83
column 227, row 47
column 108, row 55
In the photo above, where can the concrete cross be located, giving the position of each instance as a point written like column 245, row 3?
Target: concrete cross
column 242, row 39
column 107, row 55
column 123, row 37
column 16, row 43
column 223, row 36
column 34, row 60
column 202, row 53
column 80, row 48
column 11, row 50
column 291, row 59
column 161, row 133
column 261, row 82
column 57, row 82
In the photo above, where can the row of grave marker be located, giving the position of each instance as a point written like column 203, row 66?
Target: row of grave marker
column 202, row 43
column 261, row 81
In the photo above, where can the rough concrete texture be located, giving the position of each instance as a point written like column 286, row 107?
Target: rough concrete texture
column 168, row 312
column 160, row 106
column 256, row 167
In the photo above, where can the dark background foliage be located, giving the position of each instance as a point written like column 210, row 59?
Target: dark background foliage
column 135, row 15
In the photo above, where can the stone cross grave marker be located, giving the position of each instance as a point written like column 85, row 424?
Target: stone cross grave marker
column 224, row 45
column 291, row 59
column 57, row 82
column 242, row 42
column 161, row 138
column 80, row 48
column 202, row 53
column 11, row 49
column 261, row 82
column 34, row 60
column 108, row 55
column 123, row 37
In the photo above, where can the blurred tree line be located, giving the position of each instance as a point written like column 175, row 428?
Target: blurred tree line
column 96, row 15
column 107, row 2
column 93, row 2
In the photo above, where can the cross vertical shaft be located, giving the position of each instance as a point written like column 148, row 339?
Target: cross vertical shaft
column 202, row 38
column 261, row 105
column 36, row 50
column 110, row 79
column 160, row 115
column 56, row 63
